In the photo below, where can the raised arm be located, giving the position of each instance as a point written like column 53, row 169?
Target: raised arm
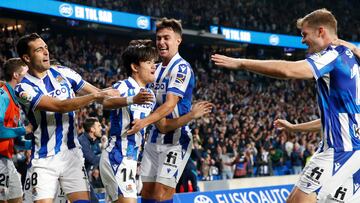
column 272, row 68
column 199, row 109
column 311, row 126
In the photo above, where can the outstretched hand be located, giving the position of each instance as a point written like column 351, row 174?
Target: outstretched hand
column 201, row 108
column 281, row 124
column 225, row 61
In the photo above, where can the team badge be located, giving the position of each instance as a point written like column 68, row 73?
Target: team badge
column 60, row 79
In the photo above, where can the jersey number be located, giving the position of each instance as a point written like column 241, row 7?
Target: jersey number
column 4, row 180
column 31, row 181
column 125, row 177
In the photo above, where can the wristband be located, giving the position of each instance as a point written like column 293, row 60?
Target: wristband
column 130, row 100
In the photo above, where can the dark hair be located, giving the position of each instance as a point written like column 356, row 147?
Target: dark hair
column 172, row 23
column 22, row 45
column 138, row 51
column 11, row 66
column 89, row 122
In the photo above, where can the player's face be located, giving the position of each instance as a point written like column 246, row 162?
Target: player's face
column 167, row 43
column 147, row 71
column 39, row 55
column 312, row 38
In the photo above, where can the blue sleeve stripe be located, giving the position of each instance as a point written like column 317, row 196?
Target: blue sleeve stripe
column 176, row 92
column 79, row 86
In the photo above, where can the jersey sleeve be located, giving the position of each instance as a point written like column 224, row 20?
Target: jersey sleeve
column 75, row 79
column 322, row 63
column 179, row 79
column 28, row 95
column 121, row 87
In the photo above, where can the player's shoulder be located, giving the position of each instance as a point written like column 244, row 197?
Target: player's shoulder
column 3, row 94
column 330, row 53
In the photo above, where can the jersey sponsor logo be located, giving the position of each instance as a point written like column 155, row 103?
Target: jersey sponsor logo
column 339, row 195
column 171, row 159
column 158, row 86
column 58, row 92
column 315, row 174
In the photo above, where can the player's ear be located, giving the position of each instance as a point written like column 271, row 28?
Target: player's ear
column 179, row 39
column 26, row 58
column 134, row 68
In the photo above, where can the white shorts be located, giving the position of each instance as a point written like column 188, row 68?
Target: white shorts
column 45, row 174
column 330, row 175
column 10, row 180
column 164, row 163
column 118, row 178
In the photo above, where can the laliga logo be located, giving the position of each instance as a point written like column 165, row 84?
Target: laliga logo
column 274, row 39
column 142, row 22
column 202, row 199
column 66, row 10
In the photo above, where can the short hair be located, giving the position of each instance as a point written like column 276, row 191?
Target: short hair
column 11, row 66
column 89, row 123
column 320, row 17
column 138, row 51
column 172, row 23
column 22, row 45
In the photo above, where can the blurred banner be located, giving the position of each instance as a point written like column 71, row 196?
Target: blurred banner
column 79, row 12
column 263, row 38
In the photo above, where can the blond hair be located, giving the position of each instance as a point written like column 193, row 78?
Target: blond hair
column 320, row 17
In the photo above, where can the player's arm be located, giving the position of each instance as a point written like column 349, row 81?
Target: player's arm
column 311, row 126
column 164, row 110
column 6, row 132
column 349, row 45
column 199, row 109
column 273, row 68
column 47, row 103
column 117, row 102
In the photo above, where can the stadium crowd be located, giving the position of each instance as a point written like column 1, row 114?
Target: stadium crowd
column 236, row 140
column 265, row 16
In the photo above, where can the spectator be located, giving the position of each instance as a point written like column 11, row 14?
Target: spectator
column 90, row 143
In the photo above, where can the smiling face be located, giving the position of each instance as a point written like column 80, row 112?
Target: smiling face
column 146, row 71
column 312, row 38
column 167, row 43
column 38, row 56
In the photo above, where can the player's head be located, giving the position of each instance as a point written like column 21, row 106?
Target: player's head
column 139, row 60
column 318, row 29
column 92, row 126
column 34, row 52
column 168, row 37
column 14, row 69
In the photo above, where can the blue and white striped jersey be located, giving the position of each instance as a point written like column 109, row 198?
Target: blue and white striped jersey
column 53, row 132
column 338, row 84
column 176, row 78
column 120, row 144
